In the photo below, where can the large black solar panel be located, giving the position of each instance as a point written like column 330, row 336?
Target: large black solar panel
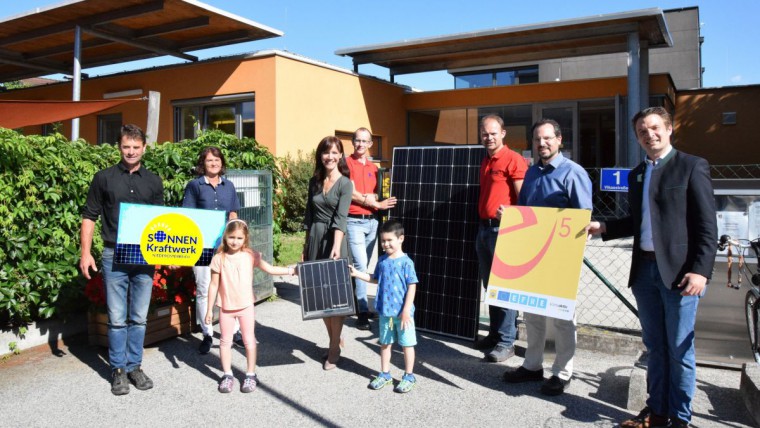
column 437, row 191
column 326, row 289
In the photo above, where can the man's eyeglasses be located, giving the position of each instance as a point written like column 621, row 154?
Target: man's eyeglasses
column 363, row 141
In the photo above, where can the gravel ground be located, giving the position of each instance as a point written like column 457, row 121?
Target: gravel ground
column 456, row 387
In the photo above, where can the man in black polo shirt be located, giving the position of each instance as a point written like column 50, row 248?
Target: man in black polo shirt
column 128, row 288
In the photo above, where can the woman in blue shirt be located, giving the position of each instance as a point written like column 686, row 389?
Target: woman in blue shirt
column 210, row 191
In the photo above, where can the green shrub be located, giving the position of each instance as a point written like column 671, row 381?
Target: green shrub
column 43, row 187
column 296, row 173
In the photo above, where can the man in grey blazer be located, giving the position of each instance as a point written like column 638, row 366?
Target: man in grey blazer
column 672, row 220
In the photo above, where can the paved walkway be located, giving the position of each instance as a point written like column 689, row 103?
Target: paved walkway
column 456, row 387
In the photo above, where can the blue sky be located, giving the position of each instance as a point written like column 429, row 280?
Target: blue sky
column 317, row 28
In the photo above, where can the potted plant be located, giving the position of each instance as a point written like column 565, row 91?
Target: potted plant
column 170, row 312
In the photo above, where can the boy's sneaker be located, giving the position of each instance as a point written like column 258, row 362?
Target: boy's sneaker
column 249, row 384
column 119, row 383
column 205, row 346
column 139, row 379
column 225, row 385
column 380, row 381
column 406, row 384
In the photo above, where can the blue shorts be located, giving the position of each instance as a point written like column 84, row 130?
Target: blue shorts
column 390, row 332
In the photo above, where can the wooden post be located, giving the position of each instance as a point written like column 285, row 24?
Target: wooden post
column 154, row 106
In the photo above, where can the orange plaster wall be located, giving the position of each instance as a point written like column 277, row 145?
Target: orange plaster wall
column 313, row 102
column 699, row 129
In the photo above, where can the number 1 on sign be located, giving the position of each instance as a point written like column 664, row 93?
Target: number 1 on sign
column 617, row 177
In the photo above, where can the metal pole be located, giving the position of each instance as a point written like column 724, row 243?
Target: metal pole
column 76, row 79
column 611, row 287
column 634, row 101
column 644, row 75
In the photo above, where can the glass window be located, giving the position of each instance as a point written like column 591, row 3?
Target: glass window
column 527, row 75
column 237, row 118
column 517, row 122
column 596, row 139
column 51, row 128
column 563, row 116
column 593, row 144
column 437, row 127
column 109, row 128
column 249, row 119
column 189, row 122
column 462, row 126
column 221, row 117
column 503, row 77
column 481, row 80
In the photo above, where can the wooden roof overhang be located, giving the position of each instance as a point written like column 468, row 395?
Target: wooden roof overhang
column 42, row 42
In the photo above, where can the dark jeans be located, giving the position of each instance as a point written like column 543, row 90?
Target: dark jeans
column 503, row 327
column 667, row 329
column 128, row 290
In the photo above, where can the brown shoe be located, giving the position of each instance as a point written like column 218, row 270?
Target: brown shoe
column 646, row 419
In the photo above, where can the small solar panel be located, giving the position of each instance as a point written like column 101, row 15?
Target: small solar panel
column 326, row 289
column 129, row 254
column 437, row 192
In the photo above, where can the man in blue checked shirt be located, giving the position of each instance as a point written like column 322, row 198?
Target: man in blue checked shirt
column 556, row 182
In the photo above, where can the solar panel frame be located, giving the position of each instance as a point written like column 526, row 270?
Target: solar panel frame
column 325, row 288
column 437, row 188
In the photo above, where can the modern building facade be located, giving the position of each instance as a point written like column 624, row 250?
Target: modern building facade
column 289, row 102
column 682, row 60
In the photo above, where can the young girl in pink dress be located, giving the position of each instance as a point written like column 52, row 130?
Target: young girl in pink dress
column 232, row 277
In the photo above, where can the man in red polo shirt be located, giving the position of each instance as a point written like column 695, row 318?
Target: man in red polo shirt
column 501, row 176
column 362, row 215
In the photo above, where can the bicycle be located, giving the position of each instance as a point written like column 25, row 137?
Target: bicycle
column 752, row 300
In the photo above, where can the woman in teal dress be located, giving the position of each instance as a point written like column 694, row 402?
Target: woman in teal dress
column 330, row 192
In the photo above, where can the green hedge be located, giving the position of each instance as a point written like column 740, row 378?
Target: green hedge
column 297, row 171
column 43, row 187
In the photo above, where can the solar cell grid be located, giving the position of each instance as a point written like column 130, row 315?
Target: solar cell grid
column 326, row 289
column 437, row 192
column 129, row 254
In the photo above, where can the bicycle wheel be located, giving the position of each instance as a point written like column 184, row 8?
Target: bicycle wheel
column 752, row 312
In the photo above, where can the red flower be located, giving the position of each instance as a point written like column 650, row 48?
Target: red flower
column 95, row 290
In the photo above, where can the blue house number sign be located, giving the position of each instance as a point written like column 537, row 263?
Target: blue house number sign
column 614, row 179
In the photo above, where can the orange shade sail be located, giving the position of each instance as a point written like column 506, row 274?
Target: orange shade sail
column 20, row 113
